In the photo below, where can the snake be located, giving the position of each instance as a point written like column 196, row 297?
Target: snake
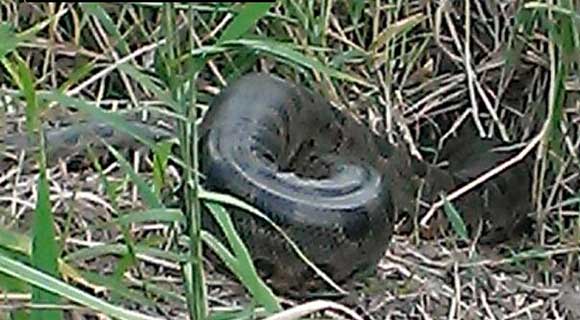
column 313, row 170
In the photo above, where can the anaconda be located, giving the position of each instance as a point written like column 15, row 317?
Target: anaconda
column 326, row 179
column 313, row 170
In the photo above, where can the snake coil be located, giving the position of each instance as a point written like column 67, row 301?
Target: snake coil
column 312, row 169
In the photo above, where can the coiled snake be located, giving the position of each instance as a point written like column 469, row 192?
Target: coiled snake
column 315, row 171
column 327, row 180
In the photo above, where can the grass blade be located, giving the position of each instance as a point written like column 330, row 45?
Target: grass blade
column 455, row 218
column 244, row 267
column 39, row 279
column 45, row 250
column 246, row 19
column 292, row 56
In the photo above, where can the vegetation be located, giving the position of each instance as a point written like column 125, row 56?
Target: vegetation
column 98, row 236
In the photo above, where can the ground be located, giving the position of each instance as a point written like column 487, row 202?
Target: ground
column 414, row 72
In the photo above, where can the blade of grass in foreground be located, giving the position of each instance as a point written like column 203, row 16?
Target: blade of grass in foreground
column 17, row 246
column 245, row 19
column 193, row 269
column 241, row 261
column 290, row 55
column 44, row 250
column 9, row 40
column 37, row 278
column 183, row 91
column 230, row 200
column 240, row 25
column 44, row 246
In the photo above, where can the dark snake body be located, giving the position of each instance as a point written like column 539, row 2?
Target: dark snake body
column 314, row 171
column 324, row 178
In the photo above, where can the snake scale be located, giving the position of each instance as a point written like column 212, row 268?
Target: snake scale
column 323, row 177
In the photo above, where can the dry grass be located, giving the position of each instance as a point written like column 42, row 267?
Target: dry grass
column 420, row 71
